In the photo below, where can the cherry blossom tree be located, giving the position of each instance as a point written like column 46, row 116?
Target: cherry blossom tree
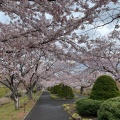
column 27, row 68
column 86, row 78
column 49, row 21
column 33, row 67
column 51, row 27
column 9, row 73
column 103, row 55
column 58, row 74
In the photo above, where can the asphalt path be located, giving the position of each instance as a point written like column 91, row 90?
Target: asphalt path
column 49, row 109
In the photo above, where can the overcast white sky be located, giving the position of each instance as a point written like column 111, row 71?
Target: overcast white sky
column 4, row 18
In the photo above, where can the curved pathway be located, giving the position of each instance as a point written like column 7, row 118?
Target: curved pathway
column 49, row 109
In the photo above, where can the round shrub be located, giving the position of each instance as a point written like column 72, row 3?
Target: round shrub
column 110, row 109
column 88, row 107
column 55, row 89
column 65, row 92
column 104, row 88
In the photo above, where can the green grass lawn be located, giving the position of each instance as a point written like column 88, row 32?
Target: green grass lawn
column 3, row 91
column 8, row 112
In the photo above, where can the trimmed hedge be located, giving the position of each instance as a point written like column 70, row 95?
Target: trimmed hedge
column 104, row 88
column 110, row 109
column 63, row 91
column 88, row 107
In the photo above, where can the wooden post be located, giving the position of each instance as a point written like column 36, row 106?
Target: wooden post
column 24, row 106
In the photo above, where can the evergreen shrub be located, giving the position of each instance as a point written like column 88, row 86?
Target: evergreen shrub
column 63, row 91
column 104, row 88
column 110, row 109
column 88, row 107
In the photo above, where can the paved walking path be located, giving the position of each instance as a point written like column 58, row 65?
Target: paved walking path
column 49, row 109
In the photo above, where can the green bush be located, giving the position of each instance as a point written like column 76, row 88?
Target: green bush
column 88, row 107
column 63, row 91
column 110, row 109
column 104, row 88
column 55, row 89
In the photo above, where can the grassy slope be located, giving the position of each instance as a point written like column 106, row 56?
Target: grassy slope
column 7, row 112
column 3, row 91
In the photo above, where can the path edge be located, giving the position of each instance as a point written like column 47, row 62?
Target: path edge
column 27, row 115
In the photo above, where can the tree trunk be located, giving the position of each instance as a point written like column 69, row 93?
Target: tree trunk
column 37, row 87
column 81, row 90
column 30, row 97
column 16, row 103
